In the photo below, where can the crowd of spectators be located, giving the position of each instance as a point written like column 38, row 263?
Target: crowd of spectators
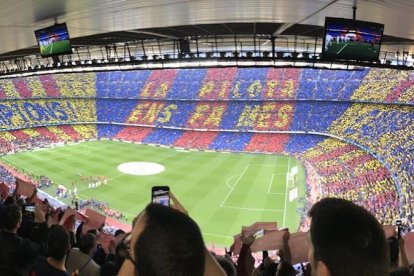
column 119, row 84
column 76, row 85
column 220, row 84
column 38, row 240
column 319, row 84
column 386, row 130
column 31, row 138
column 267, row 142
column 217, row 84
column 132, row 134
column 380, row 84
column 8, row 90
column 7, row 177
column 49, row 86
column 204, row 84
column 196, row 139
column 348, row 172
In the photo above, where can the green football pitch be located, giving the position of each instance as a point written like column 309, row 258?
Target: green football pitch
column 352, row 49
column 221, row 191
column 56, row 48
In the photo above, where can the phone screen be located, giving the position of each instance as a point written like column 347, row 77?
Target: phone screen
column 161, row 195
column 29, row 208
column 259, row 233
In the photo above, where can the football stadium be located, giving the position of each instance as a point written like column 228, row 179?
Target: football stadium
column 271, row 135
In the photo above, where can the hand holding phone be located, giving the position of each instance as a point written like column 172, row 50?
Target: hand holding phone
column 160, row 195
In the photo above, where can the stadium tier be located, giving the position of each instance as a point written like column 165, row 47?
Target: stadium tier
column 352, row 125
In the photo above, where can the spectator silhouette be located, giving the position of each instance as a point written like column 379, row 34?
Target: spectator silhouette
column 17, row 254
column 58, row 245
column 166, row 241
column 346, row 240
column 81, row 259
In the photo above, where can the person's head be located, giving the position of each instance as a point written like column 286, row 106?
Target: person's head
column 88, row 244
column 21, row 202
column 167, row 242
column 58, row 243
column 227, row 265
column 12, row 217
column 285, row 269
column 345, row 239
column 9, row 201
column 119, row 232
column 78, row 233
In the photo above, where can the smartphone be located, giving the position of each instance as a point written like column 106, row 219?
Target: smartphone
column 398, row 223
column 160, row 195
column 29, row 208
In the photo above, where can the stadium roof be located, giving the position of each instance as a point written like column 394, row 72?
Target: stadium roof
column 101, row 22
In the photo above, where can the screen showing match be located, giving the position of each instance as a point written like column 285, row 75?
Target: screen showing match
column 54, row 40
column 348, row 39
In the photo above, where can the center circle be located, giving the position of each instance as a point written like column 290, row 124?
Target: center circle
column 141, row 168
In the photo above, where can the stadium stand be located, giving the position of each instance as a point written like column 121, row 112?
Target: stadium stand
column 350, row 173
column 49, row 86
column 318, row 84
column 196, row 139
column 133, row 134
column 217, row 84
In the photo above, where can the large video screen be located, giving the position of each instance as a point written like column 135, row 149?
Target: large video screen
column 347, row 39
column 54, row 40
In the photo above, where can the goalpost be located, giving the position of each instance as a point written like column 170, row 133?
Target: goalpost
column 290, row 183
column 290, row 179
column 291, row 176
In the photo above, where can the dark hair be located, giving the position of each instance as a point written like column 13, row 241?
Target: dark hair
column 401, row 271
column 285, row 269
column 119, row 232
column 9, row 201
column 87, row 243
column 12, row 215
column 227, row 265
column 60, row 215
column 270, row 270
column 170, row 244
column 58, row 242
column 78, row 234
column 109, row 269
column 348, row 239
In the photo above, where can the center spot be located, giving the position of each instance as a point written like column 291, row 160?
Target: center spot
column 141, row 168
